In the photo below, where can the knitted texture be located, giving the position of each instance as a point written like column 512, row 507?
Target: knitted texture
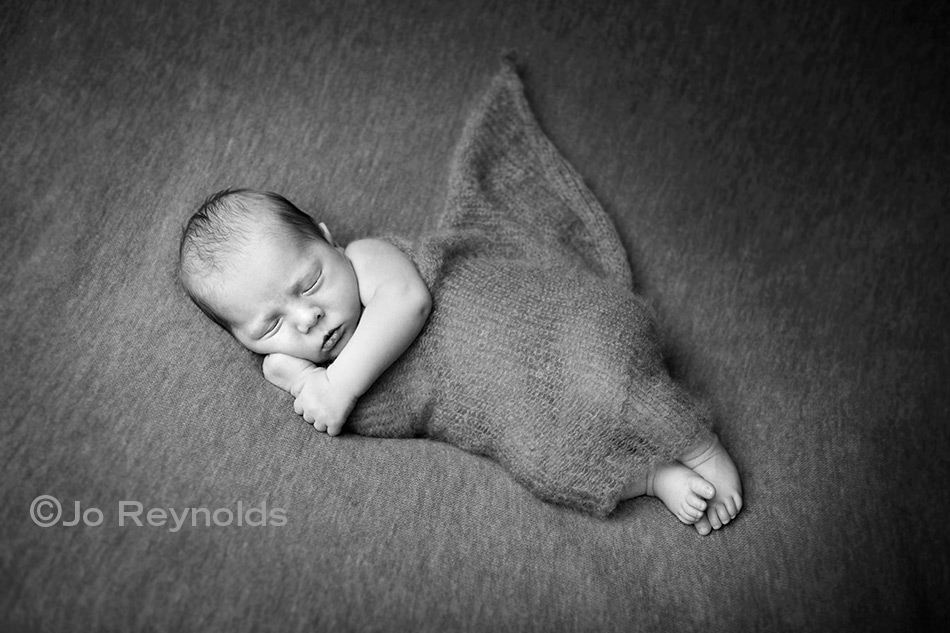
column 537, row 353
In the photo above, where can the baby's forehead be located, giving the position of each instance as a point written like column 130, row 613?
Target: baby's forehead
column 257, row 235
column 276, row 250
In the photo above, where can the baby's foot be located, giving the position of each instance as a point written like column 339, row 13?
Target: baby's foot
column 714, row 464
column 682, row 491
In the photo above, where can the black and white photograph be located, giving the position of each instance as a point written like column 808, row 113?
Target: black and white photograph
column 474, row 316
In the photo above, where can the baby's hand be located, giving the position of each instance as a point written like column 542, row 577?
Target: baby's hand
column 320, row 404
column 286, row 371
column 315, row 398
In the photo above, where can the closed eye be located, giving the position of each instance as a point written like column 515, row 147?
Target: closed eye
column 313, row 286
column 271, row 329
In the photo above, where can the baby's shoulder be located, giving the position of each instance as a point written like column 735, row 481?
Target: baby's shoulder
column 377, row 256
column 373, row 248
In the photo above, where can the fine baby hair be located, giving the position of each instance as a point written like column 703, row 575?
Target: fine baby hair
column 221, row 226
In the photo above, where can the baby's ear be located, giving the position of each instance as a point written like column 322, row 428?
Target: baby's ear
column 325, row 232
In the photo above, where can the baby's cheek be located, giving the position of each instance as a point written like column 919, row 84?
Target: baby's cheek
column 251, row 345
column 341, row 345
column 309, row 352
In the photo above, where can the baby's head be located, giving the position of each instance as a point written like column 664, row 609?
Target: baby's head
column 265, row 272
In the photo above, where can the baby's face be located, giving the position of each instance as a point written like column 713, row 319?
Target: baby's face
column 294, row 296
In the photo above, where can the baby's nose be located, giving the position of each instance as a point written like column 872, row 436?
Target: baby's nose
column 307, row 319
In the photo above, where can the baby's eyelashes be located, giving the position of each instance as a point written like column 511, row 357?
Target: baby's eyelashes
column 271, row 329
column 313, row 286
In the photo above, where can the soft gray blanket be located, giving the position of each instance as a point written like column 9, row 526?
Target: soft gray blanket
column 537, row 354
column 775, row 170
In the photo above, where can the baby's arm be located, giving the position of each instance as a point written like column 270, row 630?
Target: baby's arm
column 396, row 305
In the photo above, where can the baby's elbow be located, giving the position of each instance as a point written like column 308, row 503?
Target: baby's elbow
column 410, row 299
column 422, row 302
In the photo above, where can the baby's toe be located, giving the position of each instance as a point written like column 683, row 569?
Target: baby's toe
column 712, row 515
column 696, row 503
column 723, row 513
column 692, row 514
column 685, row 517
column 702, row 526
column 701, row 487
column 733, row 505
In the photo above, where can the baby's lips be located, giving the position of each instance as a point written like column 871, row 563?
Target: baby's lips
column 331, row 339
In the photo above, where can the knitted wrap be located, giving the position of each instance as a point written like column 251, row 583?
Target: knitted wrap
column 537, row 353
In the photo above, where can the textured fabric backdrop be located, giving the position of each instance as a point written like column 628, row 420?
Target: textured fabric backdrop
column 777, row 171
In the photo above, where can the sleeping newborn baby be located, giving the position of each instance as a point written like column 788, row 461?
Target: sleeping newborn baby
column 262, row 269
column 358, row 336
